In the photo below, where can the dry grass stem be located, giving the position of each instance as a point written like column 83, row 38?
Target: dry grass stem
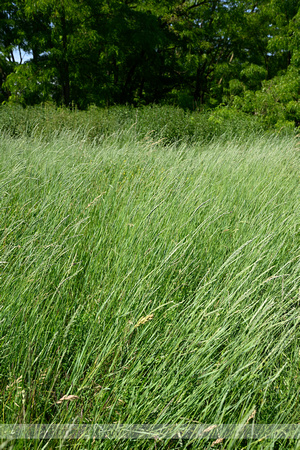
column 212, row 427
column 251, row 417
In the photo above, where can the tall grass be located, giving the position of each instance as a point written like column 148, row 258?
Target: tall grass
column 171, row 125
column 158, row 284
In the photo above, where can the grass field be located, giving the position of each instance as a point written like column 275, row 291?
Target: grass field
column 156, row 283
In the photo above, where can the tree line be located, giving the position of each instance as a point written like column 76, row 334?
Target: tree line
column 191, row 53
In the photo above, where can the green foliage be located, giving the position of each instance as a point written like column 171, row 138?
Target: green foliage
column 277, row 103
column 253, row 75
column 195, row 55
column 236, row 87
column 28, row 85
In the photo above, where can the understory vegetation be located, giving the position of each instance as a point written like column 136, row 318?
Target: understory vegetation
column 172, row 125
column 149, row 272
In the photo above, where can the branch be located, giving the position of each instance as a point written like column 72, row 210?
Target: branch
column 21, row 59
column 195, row 5
column 183, row 8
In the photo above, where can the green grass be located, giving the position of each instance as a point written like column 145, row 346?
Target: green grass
column 171, row 125
column 97, row 236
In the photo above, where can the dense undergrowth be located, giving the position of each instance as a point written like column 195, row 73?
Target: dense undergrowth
column 172, row 125
column 156, row 283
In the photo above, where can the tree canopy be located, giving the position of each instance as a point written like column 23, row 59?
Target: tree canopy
column 193, row 53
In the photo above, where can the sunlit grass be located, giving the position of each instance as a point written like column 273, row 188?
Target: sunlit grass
column 158, row 284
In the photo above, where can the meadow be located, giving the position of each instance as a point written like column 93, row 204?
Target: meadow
column 152, row 277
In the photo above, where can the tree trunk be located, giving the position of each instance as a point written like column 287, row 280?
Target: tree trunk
column 65, row 71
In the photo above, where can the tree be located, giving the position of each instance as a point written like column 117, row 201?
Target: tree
column 197, row 52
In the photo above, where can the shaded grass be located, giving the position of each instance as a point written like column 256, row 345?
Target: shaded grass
column 202, row 241
column 168, row 124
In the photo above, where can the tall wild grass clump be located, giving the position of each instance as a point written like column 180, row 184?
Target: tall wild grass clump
column 151, row 283
column 155, row 122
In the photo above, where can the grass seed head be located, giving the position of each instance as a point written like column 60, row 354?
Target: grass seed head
column 67, row 398
column 218, row 441
column 144, row 320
